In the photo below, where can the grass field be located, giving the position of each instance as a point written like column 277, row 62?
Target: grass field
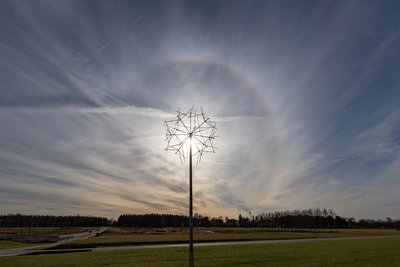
column 5, row 244
column 118, row 236
column 141, row 236
column 384, row 252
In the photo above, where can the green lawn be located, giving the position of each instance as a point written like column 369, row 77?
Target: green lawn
column 384, row 252
column 4, row 244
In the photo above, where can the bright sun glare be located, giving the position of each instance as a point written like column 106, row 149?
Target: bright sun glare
column 190, row 129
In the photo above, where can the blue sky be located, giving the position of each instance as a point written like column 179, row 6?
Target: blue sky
column 306, row 96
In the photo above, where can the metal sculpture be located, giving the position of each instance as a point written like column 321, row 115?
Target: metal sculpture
column 190, row 132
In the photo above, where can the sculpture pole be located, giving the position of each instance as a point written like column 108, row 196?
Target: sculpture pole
column 198, row 131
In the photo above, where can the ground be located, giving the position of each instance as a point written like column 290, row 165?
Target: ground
column 143, row 236
column 38, row 234
column 374, row 252
column 371, row 252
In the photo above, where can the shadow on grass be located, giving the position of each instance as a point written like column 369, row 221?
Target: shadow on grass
column 191, row 259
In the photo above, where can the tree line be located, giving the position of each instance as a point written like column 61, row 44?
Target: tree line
column 300, row 220
column 19, row 220
column 152, row 220
column 278, row 220
column 308, row 219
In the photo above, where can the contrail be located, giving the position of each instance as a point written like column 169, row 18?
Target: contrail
column 112, row 97
column 101, row 48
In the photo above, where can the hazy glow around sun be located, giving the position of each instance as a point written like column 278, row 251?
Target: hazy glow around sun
column 190, row 129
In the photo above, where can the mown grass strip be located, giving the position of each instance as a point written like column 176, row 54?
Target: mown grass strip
column 6, row 244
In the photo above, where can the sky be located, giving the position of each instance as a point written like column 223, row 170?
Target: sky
column 305, row 94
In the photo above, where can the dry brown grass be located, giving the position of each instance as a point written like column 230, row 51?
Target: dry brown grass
column 38, row 234
column 143, row 236
column 116, row 236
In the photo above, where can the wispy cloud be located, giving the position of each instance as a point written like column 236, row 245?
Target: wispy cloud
column 305, row 97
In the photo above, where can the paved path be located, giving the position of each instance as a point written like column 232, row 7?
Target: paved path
column 38, row 249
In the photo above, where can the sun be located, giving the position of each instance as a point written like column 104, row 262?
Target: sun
column 191, row 133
